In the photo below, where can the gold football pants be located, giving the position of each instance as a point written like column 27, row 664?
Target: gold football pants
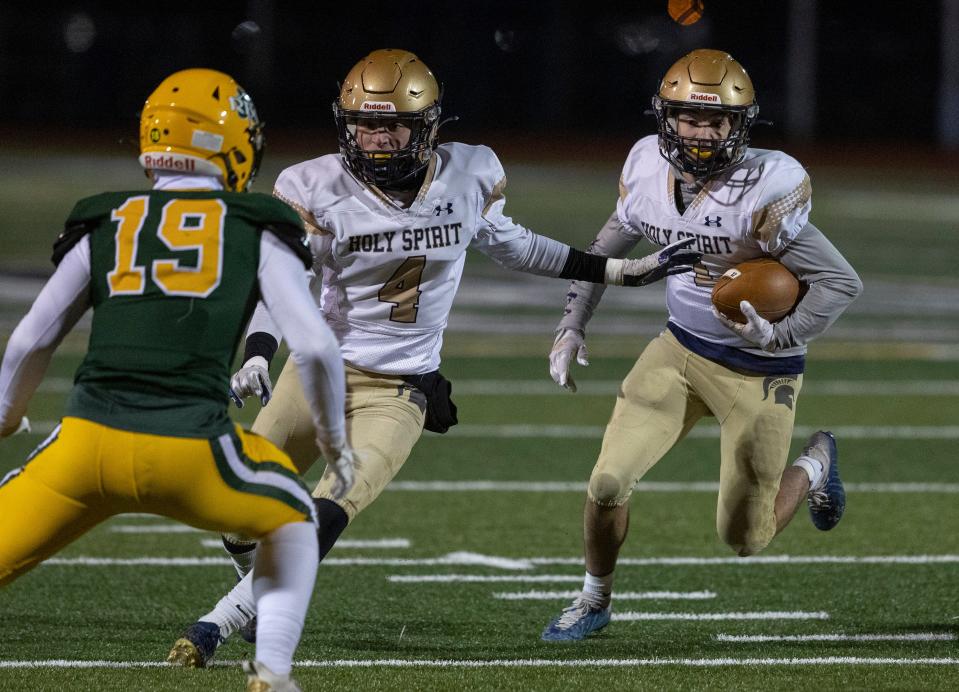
column 86, row 472
column 384, row 419
column 668, row 390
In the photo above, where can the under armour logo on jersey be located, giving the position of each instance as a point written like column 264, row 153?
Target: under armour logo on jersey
column 782, row 388
column 439, row 210
column 715, row 221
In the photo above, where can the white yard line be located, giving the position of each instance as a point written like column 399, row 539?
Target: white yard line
column 755, row 615
column 509, row 431
column 155, row 528
column 522, row 563
column 374, row 544
column 910, row 637
column 644, row 486
column 482, row 578
column 546, row 387
column 620, row 595
column 719, row 662
column 851, row 432
column 762, row 560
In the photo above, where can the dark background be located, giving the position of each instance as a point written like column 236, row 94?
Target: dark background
column 555, row 70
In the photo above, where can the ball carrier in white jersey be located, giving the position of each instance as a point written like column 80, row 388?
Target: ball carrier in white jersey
column 698, row 179
column 390, row 219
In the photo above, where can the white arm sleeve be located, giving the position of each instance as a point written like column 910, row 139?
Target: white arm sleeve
column 321, row 244
column 315, row 351
column 61, row 302
column 515, row 247
column 613, row 240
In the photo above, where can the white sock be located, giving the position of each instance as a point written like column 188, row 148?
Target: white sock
column 235, row 609
column 599, row 590
column 812, row 467
column 283, row 579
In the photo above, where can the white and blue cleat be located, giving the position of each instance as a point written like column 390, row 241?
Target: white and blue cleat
column 827, row 500
column 577, row 621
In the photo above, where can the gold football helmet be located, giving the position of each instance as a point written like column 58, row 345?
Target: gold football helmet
column 387, row 86
column 201, row 121
column 705, row 80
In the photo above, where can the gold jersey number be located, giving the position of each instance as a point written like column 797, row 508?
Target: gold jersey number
column 403, row 289
column 185, row 225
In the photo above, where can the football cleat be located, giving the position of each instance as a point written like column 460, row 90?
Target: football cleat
column 577, row 621
column 827, row 499
column 197, row 646
column 259, row 678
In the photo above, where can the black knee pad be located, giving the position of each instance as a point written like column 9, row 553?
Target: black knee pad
column 332, row 520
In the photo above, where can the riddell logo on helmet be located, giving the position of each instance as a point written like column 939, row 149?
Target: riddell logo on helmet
column 169, row 162
column 704, row 98
column 378, row 106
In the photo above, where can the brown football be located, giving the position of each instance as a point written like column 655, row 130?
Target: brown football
column 764, row 282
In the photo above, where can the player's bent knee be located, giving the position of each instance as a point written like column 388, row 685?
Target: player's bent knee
column 606, row 490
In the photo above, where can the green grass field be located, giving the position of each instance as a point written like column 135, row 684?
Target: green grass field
column 448, row 579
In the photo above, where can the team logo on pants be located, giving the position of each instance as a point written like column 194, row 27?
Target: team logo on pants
column 782, row 388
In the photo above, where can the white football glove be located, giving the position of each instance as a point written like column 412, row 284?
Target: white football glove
column 341, row 462
column 568, row 343
column 757, row 329
column 253, row 379
column 676, row 258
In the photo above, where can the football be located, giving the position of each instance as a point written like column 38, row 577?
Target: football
column 771, row 288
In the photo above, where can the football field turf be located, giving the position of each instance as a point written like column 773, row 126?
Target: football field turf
column 448, row 579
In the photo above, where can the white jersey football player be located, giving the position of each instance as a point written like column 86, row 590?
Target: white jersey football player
column 390, row 220
column 698, row 179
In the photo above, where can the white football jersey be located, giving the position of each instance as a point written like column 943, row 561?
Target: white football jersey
column 751, row 210
column 389, row 274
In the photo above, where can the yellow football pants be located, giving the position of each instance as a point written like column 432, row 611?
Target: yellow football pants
column 384, row 419
column 668, row 390
column 86, row 472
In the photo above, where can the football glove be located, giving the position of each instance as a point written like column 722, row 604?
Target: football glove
column 568, row 343
column 341, row 462
column 757, row 329
column 253, row 379
column 676, row 258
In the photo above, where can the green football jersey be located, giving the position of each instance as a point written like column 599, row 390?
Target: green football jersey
column 173, row 282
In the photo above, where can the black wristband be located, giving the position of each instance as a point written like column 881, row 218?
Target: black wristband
column 260, row 344
column 582, row 266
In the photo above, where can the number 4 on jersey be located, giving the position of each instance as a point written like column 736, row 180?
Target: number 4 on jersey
column 403, row 289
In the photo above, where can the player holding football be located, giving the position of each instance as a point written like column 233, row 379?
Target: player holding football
column 172, row 275
column 390, row 220
column 698, row 179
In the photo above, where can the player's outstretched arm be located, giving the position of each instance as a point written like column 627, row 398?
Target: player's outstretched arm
column 61, row 302
column 314, row 350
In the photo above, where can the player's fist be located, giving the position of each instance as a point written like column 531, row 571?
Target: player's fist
column 253, row 379
column 757, row 329
column 569, row 344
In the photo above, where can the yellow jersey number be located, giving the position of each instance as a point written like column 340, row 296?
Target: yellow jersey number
column 185, row 224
